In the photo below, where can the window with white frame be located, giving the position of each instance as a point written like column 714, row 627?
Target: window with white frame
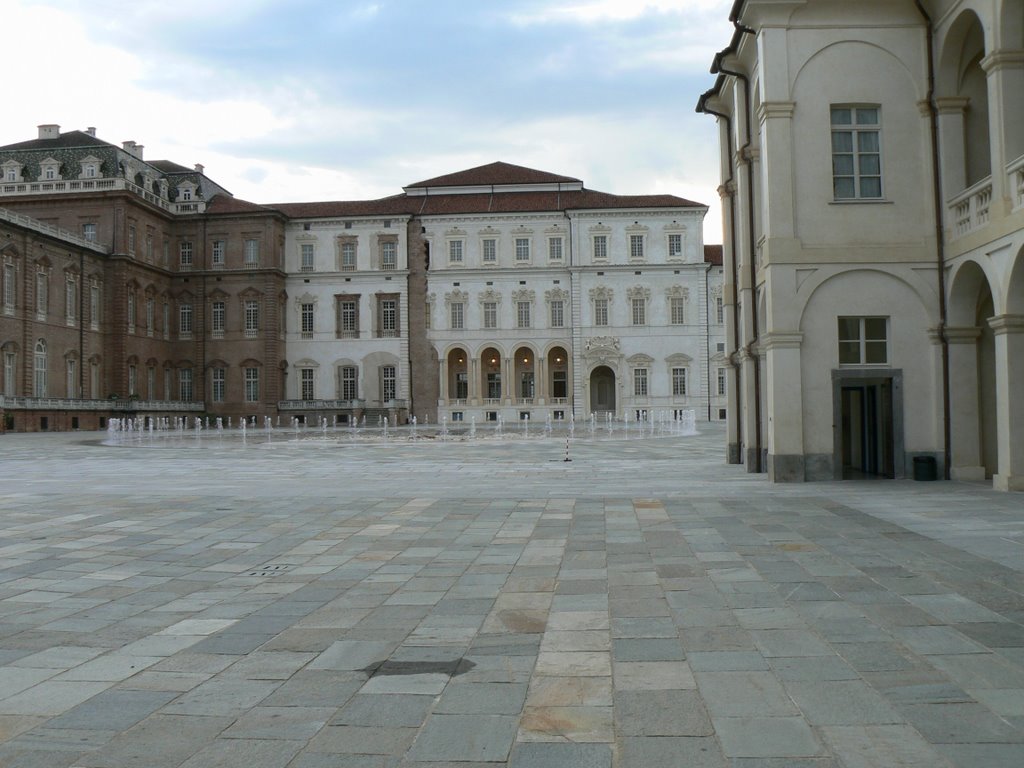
column 149, row 247
column 94, row 305
column 89, row 231
column 455, row 251
column 523, row 314
column 557, row 313
column 10, row 373
column 150, row 382
column 636, row 247
column 307, row 322
column 721, row 382
column 679, row 382
column 638, row 310
column 130, row 310
column 457, row 315
column 489, row 250
column 856, row 152
column 252, row 318
column 10, row 288
column 217, row 253
column 39, row 370
column 131, row 238
column 719, row 310
column 522, row 249
column 387, row 316
column 490, row 311
column 252, row 385
column 252, row 252
column 675, row 246
column 217, row 381
column 42, row 293
column 863, row 340
column 185, row 321
column 348, row 316
column 600, row 247
column 167, row 320
column 388, row 255
column 388, row 383
column 640, row 382
column 185, row 254
column 133, row 379
column 348, row 256
column 306, row 256
column 554, row 249
column 167, row 381
column 349, row 382
column 71, row 377
column 601, row 312
column 677, row 310
column 218, row 314
column 306, row 381
column 150, row 316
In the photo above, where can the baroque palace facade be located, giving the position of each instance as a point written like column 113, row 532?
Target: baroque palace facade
column 501, row 292
column 873, row 190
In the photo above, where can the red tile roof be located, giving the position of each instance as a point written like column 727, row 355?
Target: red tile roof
column 495, row 174
column 713, row 254
column 229, row 204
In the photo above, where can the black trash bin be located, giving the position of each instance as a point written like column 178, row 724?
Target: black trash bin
column 925, row 468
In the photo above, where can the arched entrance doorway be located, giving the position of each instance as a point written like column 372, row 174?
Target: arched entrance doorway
column 602, row 389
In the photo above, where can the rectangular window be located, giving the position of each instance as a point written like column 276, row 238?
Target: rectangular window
column 252, row 252
column 150, row 317
column 89, row 232
column 675, row 246
column 217, row 253
column 719, row 310
column 388, row 317
column 721, row 382
column 678, row 310
column 306, row 257
column 42, row 294
column 640, row 382
column 388, row 382
column 389, row 255
column 601, row 312
column 252, row 318
column 454, row 251
column 490, row 314
column 636, row 247
column 348, row 317
column 522, row 314
column 557, row 314
column 167, row 320
column 457, row 316
column 71, row 378
column 149, row 248
column 679, row 382
column 493, row 388
column 70, row 301
column 252, row 385
column 10, row 288
column 490, row 250
column 185, row 254
column 217, row 315
column 639, row 311
column 555, row 249
column 856, row 153
column 348, row 256
column 863, row 340
column 94, row 306
column 349, row 382
column 133, row 373
column 150, row 383
column 600, row 247
column 167, row 381
column 306, row 384
column 307, row 323
column 185, row 384
column 522, row 249
column 559, row 385
column 130, row 311
column 217, row 385
column 10, row 373
column 131, row 239
column 185, row 321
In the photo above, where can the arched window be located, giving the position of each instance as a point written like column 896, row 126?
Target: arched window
column 39, row 370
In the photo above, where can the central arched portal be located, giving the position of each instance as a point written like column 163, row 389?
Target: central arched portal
column 602, row 389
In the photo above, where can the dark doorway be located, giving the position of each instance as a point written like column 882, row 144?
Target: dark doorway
column 602, row 389
column 867, row 429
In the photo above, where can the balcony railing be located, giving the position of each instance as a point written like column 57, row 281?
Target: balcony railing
column 49, row 229
column 71, row 404
column 320, row 405
column 970, row 209
column 99, row 185
column 1015, row 171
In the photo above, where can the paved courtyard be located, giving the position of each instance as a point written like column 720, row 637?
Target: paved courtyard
column 339, row 603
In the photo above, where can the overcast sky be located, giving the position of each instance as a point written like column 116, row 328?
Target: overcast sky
column 293, row 100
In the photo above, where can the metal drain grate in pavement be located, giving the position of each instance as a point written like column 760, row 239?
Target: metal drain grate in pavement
column 270, row 569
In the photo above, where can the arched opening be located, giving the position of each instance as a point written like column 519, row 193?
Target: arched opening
column 39, row 370
column 525, row 367
column 490, row 376
column 985, row 309
column 602, row 389
column 458, row 375
column 962, row 79
column 558, row 375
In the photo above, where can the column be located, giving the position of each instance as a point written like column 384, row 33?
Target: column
column 508, row 385
column 1009, row 338
column 1005, row 72
column 442, row 366
column 784, row 406
column 951, row 144
column 540, row 383
column 473, row 371
column 964, row 412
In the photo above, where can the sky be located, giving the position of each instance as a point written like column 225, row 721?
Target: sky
column 299, row 100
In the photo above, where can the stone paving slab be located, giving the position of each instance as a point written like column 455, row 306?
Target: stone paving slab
column 306, row 601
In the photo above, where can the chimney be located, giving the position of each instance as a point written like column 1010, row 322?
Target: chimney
column 199, row 168
column 91, row 130
column 133, row 149
column 49, row 131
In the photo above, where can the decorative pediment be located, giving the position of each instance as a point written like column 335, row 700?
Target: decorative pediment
column 490, row 296
column 455, row 232
column 524, row 294
column 218, row 295
column 250, row 293
column 715, row 292
column 601, row 350
column 456, row 297
column 306, row 363
column 638, row 292
column 640, row 359
column 677, row 292
column 601, row 292
column 599, row 229
column 678, row 360
column 489, row 231
column 306, row 298
column 556, row 294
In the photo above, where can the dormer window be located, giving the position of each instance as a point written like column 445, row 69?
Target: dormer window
column 186, row 193
column 12, row 171
column 90, row 167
